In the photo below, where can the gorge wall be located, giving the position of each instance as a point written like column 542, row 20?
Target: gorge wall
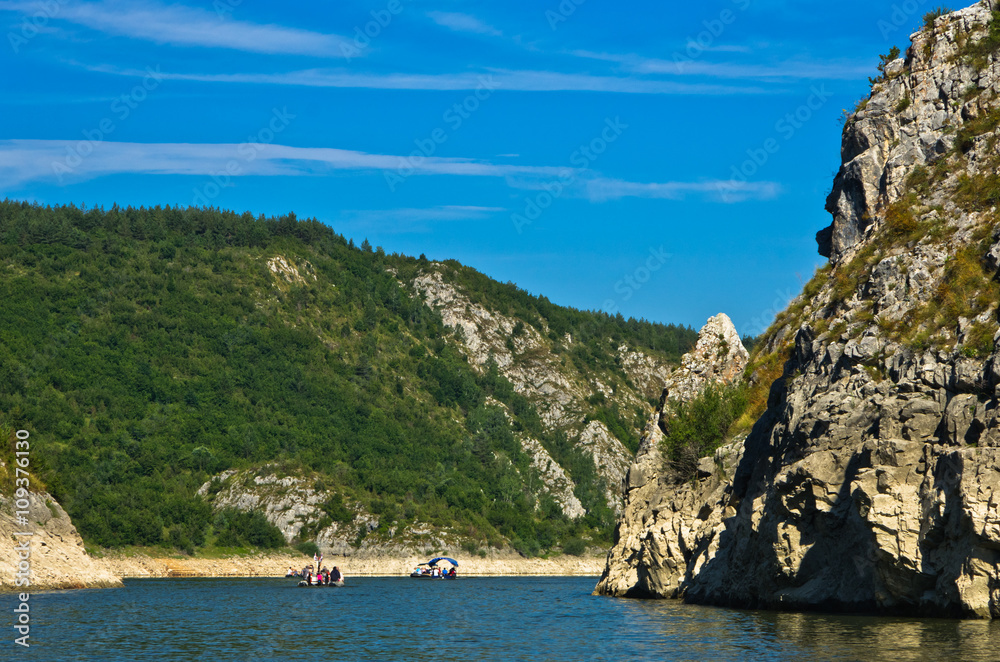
column 872, row 481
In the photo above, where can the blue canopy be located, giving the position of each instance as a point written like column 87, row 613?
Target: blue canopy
column 443, row 558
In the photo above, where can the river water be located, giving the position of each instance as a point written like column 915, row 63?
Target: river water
column 467, row 619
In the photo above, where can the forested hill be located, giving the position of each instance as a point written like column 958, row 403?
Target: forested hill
column 150, row 350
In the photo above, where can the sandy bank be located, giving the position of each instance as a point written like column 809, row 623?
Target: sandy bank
column 275, row 565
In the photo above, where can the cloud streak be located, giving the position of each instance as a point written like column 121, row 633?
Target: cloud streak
column 29, row 161
column 787, row 70
column 463, row 23
column 414, row 219
column 726, row 191
column 177, row 25
column 507, row 80
column 24, row 161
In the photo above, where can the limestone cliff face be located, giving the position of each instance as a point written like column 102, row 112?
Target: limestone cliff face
column 296, row 502
column 57, row 556
column 527, row 358
column 718, row 357
column 872, row 481
column 911, row 120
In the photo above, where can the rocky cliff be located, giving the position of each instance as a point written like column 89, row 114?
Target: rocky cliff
column 297, row 503
column 718, row 357
column 55, row 551
column 872, row 481
column 531, row 361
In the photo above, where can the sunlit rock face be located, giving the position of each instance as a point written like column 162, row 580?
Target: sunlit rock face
column 872, row 481
column 55, row 551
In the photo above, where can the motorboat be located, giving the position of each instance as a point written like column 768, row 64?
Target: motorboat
column 430, row 570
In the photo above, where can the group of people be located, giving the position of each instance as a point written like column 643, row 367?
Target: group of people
column 322, row 578
column 435, row 572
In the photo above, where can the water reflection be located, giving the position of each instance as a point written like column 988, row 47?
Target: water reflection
column 890, row 639
column 472, row 619
column 734, row 634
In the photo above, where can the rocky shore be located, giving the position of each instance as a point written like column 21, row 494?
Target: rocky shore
column 275, row 565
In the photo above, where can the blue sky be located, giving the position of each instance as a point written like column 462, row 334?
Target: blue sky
column 662, row 161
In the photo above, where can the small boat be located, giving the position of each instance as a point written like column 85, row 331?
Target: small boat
column 305, row 584
column 430, row 570
column 310, row 580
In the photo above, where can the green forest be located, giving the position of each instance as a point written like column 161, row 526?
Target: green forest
column 149, row 349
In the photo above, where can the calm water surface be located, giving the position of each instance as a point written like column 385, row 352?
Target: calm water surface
column 468, row 619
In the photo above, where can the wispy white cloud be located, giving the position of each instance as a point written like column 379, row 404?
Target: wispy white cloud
column 728, row 191
column 686, row 66
column 179, row 25
column 23, row 161
column 519, row 81
column 414, row 219
column 463, row 23
column 70, row 161
column 721, row 48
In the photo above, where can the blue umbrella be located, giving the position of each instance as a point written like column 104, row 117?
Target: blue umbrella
column 443, row 558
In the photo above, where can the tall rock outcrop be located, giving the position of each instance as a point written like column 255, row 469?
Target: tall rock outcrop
column 718, row 357
column 872, row 481
column 56, row 554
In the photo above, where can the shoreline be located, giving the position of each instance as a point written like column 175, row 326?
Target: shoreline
column 137, row 566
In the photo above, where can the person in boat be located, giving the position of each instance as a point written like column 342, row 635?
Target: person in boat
column 336, row 577
column 453, row 572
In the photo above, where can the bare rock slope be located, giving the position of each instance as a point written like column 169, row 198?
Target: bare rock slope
column 55, row 553
column 872, row 481
column 527, row 358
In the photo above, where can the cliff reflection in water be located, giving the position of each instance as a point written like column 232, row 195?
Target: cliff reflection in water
column 889, row 639
column 735, row 634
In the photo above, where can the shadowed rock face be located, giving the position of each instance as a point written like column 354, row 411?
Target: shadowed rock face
column 872, row 481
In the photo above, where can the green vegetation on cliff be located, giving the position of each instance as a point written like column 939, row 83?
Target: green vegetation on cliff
column 149, row 349
column 695, row 429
